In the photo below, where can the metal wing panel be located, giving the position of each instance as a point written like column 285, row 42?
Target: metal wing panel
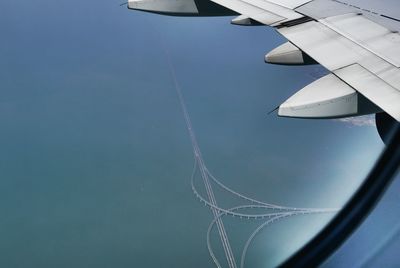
column 252, row 11
column 327, row 47
column 383, row 70
column 372, row 87
column 265, row 12
column 320, row 9
column 274, row 8
column 367, row 34
column 292, row 4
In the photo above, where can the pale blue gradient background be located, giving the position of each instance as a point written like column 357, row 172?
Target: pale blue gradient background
column 95, row 159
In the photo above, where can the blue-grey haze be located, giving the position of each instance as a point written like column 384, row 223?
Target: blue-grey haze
column 95, row 159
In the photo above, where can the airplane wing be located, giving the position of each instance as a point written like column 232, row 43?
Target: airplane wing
column 359, row 46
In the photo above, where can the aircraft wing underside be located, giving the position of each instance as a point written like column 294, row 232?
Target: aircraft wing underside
column 359, row 46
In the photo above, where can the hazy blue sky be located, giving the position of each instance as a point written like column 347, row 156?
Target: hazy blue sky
column 95, row 159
